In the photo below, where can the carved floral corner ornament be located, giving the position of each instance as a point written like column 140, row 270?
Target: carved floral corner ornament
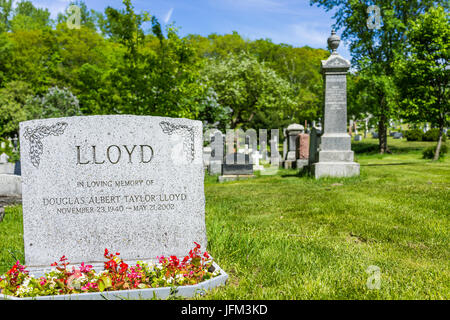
column 186, row 132
column 36, row 135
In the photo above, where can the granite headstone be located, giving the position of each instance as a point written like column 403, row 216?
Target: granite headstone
column 132, row 184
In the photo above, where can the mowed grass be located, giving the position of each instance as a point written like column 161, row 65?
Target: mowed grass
column 289, row 236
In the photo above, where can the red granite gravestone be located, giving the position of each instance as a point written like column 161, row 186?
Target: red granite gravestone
column 303, row 146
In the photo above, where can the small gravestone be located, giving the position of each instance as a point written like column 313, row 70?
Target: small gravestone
column 274, row 153
column 132, row 184
column 235, row 168
column 314, row 142
column 292, row 132
column 358, row 137
column 256, row 157
column 6, row 167
column 17, row 169
column 206, row 156
column 215, row 162
column 375, row 135
column 398, row 135
column 302, row 150
column 10, row 185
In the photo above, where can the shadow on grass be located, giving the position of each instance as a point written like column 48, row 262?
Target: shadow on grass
column 297, row 173
column 391, row 164
column 373, row 148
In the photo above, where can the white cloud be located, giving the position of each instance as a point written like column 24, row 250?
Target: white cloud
column 168, row 16
column 53, row 6
column 311, row 35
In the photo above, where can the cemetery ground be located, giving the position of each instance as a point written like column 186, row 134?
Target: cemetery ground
column 289, row 236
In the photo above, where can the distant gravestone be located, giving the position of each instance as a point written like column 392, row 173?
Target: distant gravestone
column 336, row 159
column 274, row 154
column 206, row 156
column 314, row 142
column 292, row 132
column 302, row 150
column 10, row 185
column 6, row 167
column 358, row 137
column 236, row 168
column 303, row 146
column 215, row 162
column 17, row 168
column 256, row 156
column 132, row 184
column 375, row 135
column 398, row 135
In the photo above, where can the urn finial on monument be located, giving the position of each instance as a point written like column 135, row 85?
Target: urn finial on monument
column 333, row 41
column 335, row 62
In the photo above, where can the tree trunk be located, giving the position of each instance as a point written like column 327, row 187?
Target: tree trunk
column 382, row 135
column 439, row 144
column 382, row 128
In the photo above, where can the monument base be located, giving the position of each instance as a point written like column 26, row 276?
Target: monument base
column 301, row 163
column 335, row 169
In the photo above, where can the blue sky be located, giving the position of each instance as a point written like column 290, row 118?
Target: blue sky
column 293, row 22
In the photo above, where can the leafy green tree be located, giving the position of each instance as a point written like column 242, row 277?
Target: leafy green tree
column 28, row 17
column 5, row 58
column 213, row 114
column 34, row 58
column 423, row 74
column 157, row 75
column 373, row 49
column 5, row 12
column 78, row 48
column 55, row 103
column 247, row 86
column 13, row 99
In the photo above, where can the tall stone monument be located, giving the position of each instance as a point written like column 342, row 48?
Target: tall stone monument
column 336, row 159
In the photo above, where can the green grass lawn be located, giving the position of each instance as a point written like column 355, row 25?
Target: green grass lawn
column 292, row 237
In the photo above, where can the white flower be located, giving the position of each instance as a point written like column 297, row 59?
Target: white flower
column 25, row 287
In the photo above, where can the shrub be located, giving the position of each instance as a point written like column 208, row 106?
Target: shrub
column 428, row 153
column 365, row 147
column 414, row 135
column 433, row 135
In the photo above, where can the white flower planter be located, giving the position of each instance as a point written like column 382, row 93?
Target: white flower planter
column 138, row 294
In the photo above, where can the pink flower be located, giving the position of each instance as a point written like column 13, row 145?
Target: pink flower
column 84, row 268
column 89, row 285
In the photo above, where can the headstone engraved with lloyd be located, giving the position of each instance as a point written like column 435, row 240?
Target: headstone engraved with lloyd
column 130, row 184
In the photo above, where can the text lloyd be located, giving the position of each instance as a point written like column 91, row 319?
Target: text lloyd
column 114, row 154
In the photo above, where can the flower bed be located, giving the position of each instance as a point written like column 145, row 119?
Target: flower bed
column 116, row 276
